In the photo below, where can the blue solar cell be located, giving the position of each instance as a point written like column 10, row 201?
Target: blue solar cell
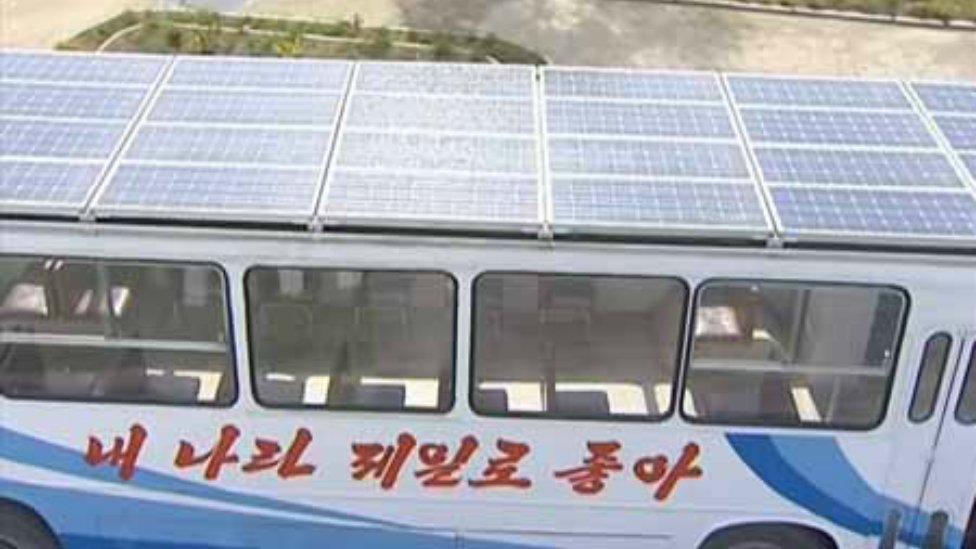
column 62, row 68
column 59, row 139
column 970, row 161
column 647, row 158
column 842, row 167
column 817, row 92
column 245, row 107
column 230, row 145
column 631, row 85
column 665, row 203
column 260, row 73
column 408, row 151
column 453, row 113
column 947, row 97
column 637, row 119
column 835, row 127
column 406, row 197
column 210, row 190
column 959, row 130
column 919, row 213
column 452, row 79
column 67, row 101
column 46, row 183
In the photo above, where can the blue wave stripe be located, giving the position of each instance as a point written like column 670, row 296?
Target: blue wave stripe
column 813, row 472
column 33, row 451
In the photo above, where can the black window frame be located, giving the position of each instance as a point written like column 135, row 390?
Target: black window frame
column 921, row 371
column 970, row 377
column 235, row 389
column 682, row 341
column 252, row 371
column 896, row 354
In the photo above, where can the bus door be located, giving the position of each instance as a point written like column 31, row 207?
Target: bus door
column 948, row 510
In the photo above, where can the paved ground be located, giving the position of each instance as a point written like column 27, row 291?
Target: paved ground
column 44, row 23
column 617, row 32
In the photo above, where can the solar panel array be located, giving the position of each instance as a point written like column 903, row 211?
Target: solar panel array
column 844, row 160
column 230, row 138
column 488, row 148
column 62, row 118
column 953, row 109
column 427, row 145
column 652, row 152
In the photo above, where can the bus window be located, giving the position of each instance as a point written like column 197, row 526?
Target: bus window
column 361, row 340
column 579, row 346
column 784, row 353
column 966, row 409
column 114, row 331
column 934, row 359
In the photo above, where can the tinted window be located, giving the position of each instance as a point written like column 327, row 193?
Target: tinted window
column 966, row 409
column 576, row 345
column 114, row 331
column 934, row 360
column 371, row 340
column 793, row 353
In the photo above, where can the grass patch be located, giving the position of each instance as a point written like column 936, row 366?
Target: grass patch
column 208, row 33
column 944, row 10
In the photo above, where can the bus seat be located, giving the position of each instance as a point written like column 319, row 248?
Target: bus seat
column 378, row 396
column 276, row 391
column 588, row 403
column 492, row 400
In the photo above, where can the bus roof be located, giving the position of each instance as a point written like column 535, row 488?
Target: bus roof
column 488, row 149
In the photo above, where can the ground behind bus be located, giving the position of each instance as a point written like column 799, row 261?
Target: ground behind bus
column 589, row 32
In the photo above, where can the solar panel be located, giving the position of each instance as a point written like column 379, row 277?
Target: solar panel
column 646, row 158
column 807, row 92
column 846, row 167
column 464, row 114
column 840, row 211
column 66, row 101
column 371, row 196
column 445, row 79
column 947, row 97
column 969, row 160
column 658, row 203
column 101, row 69
column 638, row 119
column 174, row 191
column 260, row 73
column 959, row 130
column 40, row 138
column 835, row 127
column 240, row 107
column 646, row 86
column 245, row 146
column 423, row 151
column 33, row 184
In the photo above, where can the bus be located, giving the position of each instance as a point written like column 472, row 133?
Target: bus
column 380, row 370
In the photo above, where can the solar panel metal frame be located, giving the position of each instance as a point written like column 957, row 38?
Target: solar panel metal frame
column 325, row 220
column 49, row 208
column 867, row 238
column 96, row 209
column 657, row 230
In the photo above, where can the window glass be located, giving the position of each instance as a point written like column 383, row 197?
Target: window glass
column 114, row 331
column 966, row 409
column 793, row 353
column 576, row 345
column 370, row 340
column 934, row 359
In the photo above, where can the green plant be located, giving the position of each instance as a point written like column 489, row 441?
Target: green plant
column 356, row 26
column 442, row 47
column 291, row 46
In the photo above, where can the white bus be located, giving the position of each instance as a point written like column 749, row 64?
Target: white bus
column 189, row 359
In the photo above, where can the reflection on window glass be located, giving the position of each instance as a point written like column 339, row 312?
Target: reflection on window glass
column 370, row 340
column 966, row 409
column 576, row 345
column 793, row 353
column 934, row 359
column 113, row 331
